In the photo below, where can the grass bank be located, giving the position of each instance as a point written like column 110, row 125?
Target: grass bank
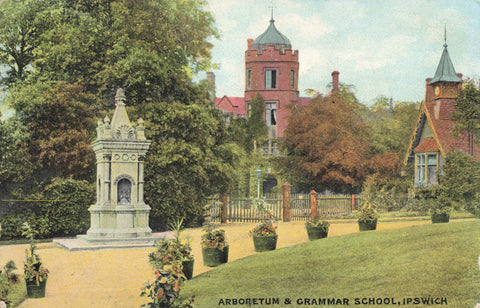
column 430, row 261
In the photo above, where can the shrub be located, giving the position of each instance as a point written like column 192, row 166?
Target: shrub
column 7, row 279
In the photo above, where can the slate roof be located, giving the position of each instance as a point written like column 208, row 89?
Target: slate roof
column 271, row 36
column 445, row 70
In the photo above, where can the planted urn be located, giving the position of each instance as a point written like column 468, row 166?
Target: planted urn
column 214, row 247
column 264, row 236
column 317, row 228
column 367, row 218
column 34, row 273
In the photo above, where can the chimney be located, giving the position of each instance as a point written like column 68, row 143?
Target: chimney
column 249, row 43
column 335, row 87
column 211, row 83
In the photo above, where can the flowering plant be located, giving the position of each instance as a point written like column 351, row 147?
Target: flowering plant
column 170, row 250
column 367, row 213
column 32, row 267
column 165, row 290
column 318, row 223
column 264, row 229
column 213, row 238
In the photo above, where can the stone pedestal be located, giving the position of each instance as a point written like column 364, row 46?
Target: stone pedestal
column 120, row 213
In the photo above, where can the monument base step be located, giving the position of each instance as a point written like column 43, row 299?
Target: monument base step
column 83, row 242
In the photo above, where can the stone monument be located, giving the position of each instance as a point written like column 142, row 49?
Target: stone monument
column 120, row 213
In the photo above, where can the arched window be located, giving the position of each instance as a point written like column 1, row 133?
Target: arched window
column 124, row 191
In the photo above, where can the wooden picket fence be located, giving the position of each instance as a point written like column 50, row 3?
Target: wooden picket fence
column 243, row 210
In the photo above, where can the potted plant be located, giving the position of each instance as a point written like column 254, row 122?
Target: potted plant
column 264, row 236
column 214, row 246
column 164, row 292
column 35, row 274
column 367, row 217
column 317, row 228
column 169, row 251
column 440, row 209
column 7, row 279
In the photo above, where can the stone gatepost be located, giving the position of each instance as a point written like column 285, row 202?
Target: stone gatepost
column 120, row 213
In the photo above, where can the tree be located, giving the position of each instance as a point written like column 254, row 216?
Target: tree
column 59, row 121
column 326, row 144
column 189, row 159
column 461, row 180
column 467, row 114
column 21, row 25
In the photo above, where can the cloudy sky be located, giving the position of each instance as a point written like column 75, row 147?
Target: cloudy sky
column 382, row 47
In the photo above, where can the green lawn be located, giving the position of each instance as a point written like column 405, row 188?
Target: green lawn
column 432, row 261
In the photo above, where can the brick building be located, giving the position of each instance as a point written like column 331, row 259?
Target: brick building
column 271, row 70
column 432, row 137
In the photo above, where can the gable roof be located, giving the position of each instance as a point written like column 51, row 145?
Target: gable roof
column 438, row 116
column 231, row 104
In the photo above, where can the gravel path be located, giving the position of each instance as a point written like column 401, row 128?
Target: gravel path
column 113, row 278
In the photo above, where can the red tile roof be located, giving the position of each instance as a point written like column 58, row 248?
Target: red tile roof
column 234, row 105
column 427, row 145
column 439, row 115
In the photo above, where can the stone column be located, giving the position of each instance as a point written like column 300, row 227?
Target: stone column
column 286, row 202
column 106, row 179
column 141, row 160
column 313, row 204
column 353, row 202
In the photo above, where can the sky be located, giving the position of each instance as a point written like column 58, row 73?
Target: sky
column 381, row 47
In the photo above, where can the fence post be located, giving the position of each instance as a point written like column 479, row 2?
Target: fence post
column 353, row 202
column 286, row 202
column 313, row 204
column 223, row 208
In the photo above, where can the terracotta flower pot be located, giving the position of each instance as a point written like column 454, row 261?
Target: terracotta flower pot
column 265, row 243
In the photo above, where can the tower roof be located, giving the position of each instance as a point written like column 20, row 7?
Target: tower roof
column 445, row 70
column 271, row 36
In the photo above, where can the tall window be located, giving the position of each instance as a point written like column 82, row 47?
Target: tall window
column 292, row 78
column 431, row 169
column 421, row 169
column 249, row 79
column 270, row 79
column 271, row 113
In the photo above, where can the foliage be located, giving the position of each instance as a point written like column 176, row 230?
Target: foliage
column 33, row 268
column 436, row 198
column 266, row 228
column 7, row 279
column 170, row 251
column 391, row 124
column 59, row 119
column 367, row 213
column 15, row 162
column 326, row 144
column 467, row 113
column 189, row 159
column 164, row 291
column 319, row 223
column 256, row 127
column 212, row 238
column 461, row 180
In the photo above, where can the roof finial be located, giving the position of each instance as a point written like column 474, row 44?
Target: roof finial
column 445, row 36
column 271, row 7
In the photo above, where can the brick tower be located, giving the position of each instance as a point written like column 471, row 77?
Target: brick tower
column 271, row 70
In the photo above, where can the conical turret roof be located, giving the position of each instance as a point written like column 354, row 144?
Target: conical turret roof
column 445, row 70
column 271, row 36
